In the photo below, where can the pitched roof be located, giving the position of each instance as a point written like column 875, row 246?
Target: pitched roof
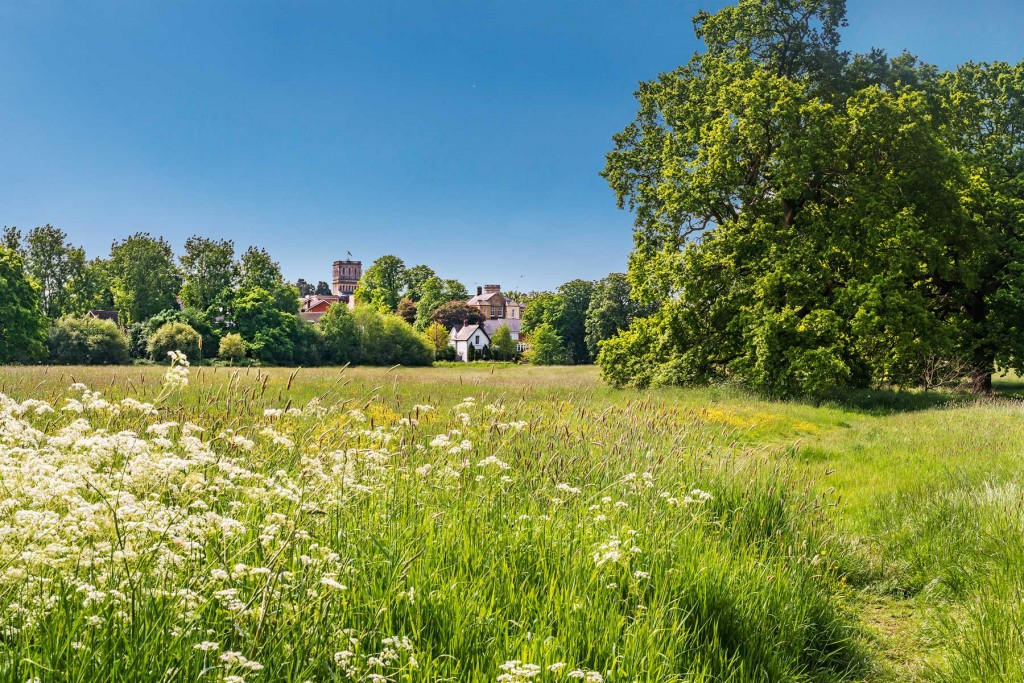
column 313, row 316
column 491, row 326
column 482, row 298
column 466, row 332
column 104, row 315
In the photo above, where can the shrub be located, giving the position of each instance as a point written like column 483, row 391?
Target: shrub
column 309, row 343
column 173, row 337
column 87, row 341
column 232, row 348
column 546, row 347
column 137, row 335
column 389, row 340
column 503, row 346
column 340, row 336
column 192, row 317
column 436, row 337
column 446, row 353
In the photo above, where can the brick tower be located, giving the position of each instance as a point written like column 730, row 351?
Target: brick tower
column 346, row 277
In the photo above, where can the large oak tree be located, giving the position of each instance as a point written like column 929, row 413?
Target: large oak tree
column 810, row 219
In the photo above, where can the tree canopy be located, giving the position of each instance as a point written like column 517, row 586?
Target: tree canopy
column 808, row 219
column 382, row 284
column 209, row 271
column 143, row 277
column 22, row 325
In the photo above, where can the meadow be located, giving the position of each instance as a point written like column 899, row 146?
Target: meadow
column 500, row 524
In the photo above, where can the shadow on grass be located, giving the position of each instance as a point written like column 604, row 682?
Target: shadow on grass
column 888, row 401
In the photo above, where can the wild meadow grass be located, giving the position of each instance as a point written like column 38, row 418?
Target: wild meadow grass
column 502, row 524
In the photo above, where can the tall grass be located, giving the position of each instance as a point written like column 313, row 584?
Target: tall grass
column 335, row 526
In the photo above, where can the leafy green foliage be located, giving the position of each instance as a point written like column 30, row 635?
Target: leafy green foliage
column 322, row 288
column 382, row 284
column 611, row 310
column 55, row 265
column 503, row 346
column 816, row 221
column 269, row 332
column 232, row 348
column 415, row 277
column 173, row 336
column 191, row 317
column 90, row 289
column 143, row 277
column 388, row 340
column 209, row 271
column 22, row 325
column 434, row 293
column 546, row 346
column 570, row 322
column 565, row 311
column 436, row 336
column 86, row 341
column 341, row 338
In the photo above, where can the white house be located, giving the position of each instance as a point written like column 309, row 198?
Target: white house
column 470, row 335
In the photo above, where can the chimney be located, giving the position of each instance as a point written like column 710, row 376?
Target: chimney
column 491, row 289
column 479, row 291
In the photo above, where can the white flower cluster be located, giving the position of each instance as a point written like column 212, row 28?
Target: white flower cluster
column 176, row 376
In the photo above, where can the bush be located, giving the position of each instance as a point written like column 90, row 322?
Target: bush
column 138, row 335
column 232, row 348
column 309, row 348
column 339, row 334
column 546, row 346
column 446, row 354
column 389, row 340
column 87, row 341
column 174, row 337
column 192, row 317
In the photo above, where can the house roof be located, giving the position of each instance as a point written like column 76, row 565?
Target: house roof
column 482, row 298
column 104, row 315
column 491, row 326
column 308, row 302
column 466, row 332
column 313, row 316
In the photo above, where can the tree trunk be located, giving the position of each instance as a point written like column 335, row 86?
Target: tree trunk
column 981, row 379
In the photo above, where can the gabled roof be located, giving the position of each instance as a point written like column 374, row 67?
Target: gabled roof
column 313, row 300
column 468, row 331
column 482, row 298
column 491, row 326
column 103, row 315
column 312, row 316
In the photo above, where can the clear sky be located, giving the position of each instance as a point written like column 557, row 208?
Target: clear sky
column 464, row 134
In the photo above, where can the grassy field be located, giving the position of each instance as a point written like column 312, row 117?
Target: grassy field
column 520, row 524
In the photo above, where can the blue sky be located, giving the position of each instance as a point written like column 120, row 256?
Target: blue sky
column 466, row 135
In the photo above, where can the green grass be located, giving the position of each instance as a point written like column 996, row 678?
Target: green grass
column 874, row 538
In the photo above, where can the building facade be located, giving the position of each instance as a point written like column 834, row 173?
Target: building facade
column 346, row 277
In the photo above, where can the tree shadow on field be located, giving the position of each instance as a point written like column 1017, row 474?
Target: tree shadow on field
column 886, row 401
column 1009, row 386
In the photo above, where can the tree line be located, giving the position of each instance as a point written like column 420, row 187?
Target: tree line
column 211, row 303
column 811, row 219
